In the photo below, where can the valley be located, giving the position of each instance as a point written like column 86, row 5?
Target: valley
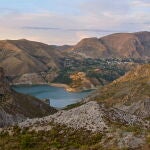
column 62, row 64
column 103, row 102
column 74, row 75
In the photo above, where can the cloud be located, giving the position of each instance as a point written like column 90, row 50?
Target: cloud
column 40, row 28
column 140, row 3
column 68, row 30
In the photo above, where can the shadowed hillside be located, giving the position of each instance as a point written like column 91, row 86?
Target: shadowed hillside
column 15, row 107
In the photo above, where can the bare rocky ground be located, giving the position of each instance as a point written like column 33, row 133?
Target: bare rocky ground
column 90, row 116
column 119, row 127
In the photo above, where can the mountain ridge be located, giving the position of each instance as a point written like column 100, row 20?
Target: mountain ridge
column 115, row 45
column 31, row 62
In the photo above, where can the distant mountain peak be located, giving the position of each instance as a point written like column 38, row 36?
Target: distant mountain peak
column 134, row 45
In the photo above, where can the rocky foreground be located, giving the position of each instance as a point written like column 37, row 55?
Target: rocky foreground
column 122, row 129
column 90, row 116
column 114, row 117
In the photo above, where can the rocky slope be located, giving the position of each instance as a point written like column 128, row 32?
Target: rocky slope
column 15, row 107
column 115, row 45
column 105, row 129
column 130, row 93
column 89, row 116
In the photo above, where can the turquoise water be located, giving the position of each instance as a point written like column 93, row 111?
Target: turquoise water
column 58, row 96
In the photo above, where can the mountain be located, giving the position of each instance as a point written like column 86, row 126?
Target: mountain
column 29, row 62
column 64, row 47
column 116, row 45
column 22, row 56
column 15, row 107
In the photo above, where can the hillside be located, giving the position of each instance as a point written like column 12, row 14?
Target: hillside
column 116, row 45
column 27, row 55
column 22, row 56
column 129, row 93
column 15, row 107
column 31, row 63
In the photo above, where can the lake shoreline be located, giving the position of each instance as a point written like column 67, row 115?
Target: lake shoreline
column 59, row 85
column 58, row 96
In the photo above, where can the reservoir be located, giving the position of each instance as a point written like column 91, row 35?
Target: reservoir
column 59, row 97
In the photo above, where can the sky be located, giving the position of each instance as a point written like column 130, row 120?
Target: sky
column 60, row 22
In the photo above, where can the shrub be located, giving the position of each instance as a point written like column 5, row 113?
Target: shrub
column 56, row 144
column 84, row 147
column 27, row 141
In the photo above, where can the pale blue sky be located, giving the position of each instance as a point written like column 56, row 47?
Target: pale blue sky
column 62, row 6
column 68, row 21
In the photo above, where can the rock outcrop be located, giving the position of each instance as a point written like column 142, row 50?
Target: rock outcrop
column 80, row 82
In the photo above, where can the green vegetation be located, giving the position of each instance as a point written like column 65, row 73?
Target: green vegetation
column 129, row 89
column 134, row 129
column 103, row 70
column 4, row 98
column 64, row 138
column 27, row 141
column 63, row 77
column 68, row 107
column 60, row 137
column 148, row 139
